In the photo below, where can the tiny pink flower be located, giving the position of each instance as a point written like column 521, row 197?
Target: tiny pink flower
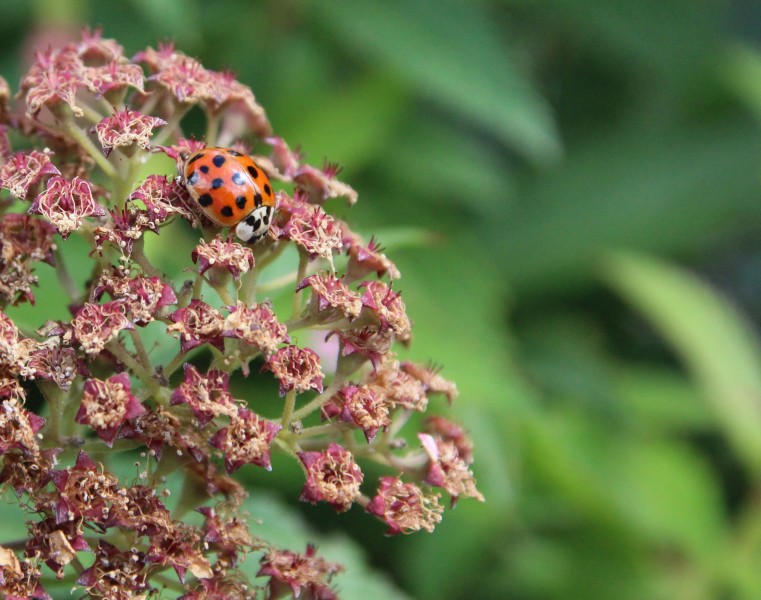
column 388, row 307
column 107, row 405
column 362, row 406
column 296, row 368
column 18, row 427
column 65, row 203
column 308, row 226
column 246, row 440
column 144, row 296
column 53, row 362
column 368, row 343
column 364, row 260
column 206, row 395
column 24, row 170
column 449, row 431
column 97, row 324
column 162, row 199
column 331, row 299
column 447, row 469
column 127, row 130
column 257, row 326
column 321, row 184
column 53, row 80
column 293, row 573
column 113, row 78
column 27, row 238
column 332, row 477
column 94, row 47
column 431, row 379
column 223, row 254
column 197, row 324
column 405, row 507
column 399, row 388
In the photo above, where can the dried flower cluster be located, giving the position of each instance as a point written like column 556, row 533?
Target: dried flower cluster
column 104, row 389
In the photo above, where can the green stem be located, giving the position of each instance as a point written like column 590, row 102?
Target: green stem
column 300, row 274
column 84, row 140
column 64, row 277
column 290, row 403
column 171, row 125
column 133, row 365
column 54, row 398
column 317, row 402
column 212, row 127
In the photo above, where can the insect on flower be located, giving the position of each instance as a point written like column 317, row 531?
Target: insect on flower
column 231, row 190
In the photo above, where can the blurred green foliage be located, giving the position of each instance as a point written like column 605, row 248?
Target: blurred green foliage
column 535, row 169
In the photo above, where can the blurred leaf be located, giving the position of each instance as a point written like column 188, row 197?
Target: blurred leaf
column 451, row 53
column 658, row 400
column 657, row 190
column 711, row 337
column 354, row 122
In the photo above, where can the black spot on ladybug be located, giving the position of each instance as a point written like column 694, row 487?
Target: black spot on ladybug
column 195, row 158
column 216, row 183
column 227, row 211
column 258, row 199
column 257, row 224
column 241, row 202
column 239, row 178
column 267, row 189
column 266, row 219
column 204, row 168
column 252, row 170
column 250, row 221
column 218, row 160
column 193, row 178
column 205, row 200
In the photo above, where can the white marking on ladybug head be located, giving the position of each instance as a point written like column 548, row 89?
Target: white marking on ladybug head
column 255, row 225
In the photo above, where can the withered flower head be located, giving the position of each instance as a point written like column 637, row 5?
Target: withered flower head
column 127, row 130
column 144, row 296
column 296, row 369
column 52, row 362
column 332, row 477
column 399, row 388
column 197, row 324
column 388, row 307
column 85, row 490
column 20, row 580
column 431, row 379
column 223, row 254
column 107, row 405
column 257, row 326
column 309, row 227
column 18, row 427
column 97, row 324
column 405, row 507
column 362, row 406
column 246, row 440
column 364, row 260
column 24, row 170
column 65, row 203
column 206, row 395
column 331, row 298
column 297, row 573
column 116, row 574
column 447, row 469
column 26, row 238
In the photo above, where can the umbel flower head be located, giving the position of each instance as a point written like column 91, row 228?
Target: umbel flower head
column 160, row 362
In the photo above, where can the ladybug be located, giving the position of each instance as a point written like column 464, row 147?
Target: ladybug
column 231, row 189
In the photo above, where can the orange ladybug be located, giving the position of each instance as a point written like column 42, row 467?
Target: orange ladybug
column 231, row 189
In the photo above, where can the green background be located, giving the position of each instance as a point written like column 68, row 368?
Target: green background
column 571, row 190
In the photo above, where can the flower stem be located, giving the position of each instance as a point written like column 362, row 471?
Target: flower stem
column 84, row 140
column 290, row 403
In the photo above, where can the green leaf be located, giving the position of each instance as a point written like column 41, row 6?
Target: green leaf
column 713, row 339
column 662, row 189
column 453, row 54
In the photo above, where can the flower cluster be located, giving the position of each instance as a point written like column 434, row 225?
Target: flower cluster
column 94, row 118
